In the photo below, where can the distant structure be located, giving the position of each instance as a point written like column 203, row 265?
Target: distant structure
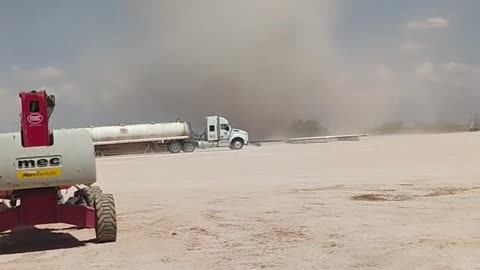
column 474, row 124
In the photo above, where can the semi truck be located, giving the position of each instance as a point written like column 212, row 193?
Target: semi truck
column 175, row 137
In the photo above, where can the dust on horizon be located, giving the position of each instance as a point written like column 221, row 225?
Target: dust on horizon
column 261, row 64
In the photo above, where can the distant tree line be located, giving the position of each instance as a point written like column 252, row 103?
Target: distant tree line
column 307, row 128
column 397, row 127
column 311, row 128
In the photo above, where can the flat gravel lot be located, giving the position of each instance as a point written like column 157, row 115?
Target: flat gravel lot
column 392, row 202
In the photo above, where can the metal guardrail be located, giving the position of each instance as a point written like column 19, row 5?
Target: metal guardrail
column 350, row 137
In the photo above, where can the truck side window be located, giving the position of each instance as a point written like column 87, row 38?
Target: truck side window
column 225, row 127
column 34, row 106
column 212, row 128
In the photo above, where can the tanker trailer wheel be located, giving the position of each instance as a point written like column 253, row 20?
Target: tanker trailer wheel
column 175, row 147
column 90, row 193
column 188, row 147
column 106, row 218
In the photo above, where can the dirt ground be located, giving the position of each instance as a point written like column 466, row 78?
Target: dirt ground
column 394, row 202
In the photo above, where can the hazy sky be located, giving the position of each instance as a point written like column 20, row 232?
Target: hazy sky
column 348, row 64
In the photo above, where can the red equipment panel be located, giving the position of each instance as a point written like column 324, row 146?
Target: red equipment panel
column 41, row 207
column 34, row 117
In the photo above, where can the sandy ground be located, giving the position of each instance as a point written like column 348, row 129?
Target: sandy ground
column 396, row 202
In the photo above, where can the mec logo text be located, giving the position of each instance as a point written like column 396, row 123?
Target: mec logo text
column 39, row 162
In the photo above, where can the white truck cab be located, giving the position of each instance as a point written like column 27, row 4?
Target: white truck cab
column 219, row 133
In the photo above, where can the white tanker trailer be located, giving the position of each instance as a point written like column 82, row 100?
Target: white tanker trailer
column 175, row 136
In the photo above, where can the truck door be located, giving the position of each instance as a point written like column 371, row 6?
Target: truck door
column 225, row 131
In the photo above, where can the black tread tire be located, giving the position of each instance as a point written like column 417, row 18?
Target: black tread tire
column 188, row 147
column 175, row 147
column 90, row 193
column 232, row 145
column 105, row 218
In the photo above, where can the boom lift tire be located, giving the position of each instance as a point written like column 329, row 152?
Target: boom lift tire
column 188, row 147
column 175, row 147
column 106, row 218
column 90, row 193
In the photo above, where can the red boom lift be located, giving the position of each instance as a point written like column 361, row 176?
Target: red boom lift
column 31, row 205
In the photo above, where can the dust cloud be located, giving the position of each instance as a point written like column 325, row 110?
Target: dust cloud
column 261, row 64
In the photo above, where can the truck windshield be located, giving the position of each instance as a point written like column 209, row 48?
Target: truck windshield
column 225, row 127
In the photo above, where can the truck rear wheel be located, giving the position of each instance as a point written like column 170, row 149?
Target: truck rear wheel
column 188, row 147
column 174, row 147
column 106, row 218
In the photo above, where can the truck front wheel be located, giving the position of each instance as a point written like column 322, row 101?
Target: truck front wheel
column 236, row 144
